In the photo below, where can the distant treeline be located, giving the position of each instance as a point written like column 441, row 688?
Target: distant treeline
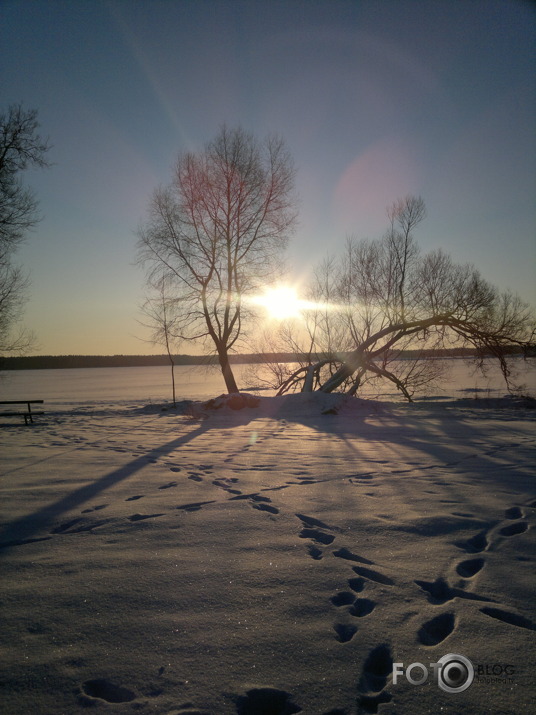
column 48, row 362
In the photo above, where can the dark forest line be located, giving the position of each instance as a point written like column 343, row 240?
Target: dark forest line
column 48, row 362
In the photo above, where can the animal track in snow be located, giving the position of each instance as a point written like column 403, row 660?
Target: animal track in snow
column 436, row 630
column 168, row 485
column 513, row 513
column 135, row 497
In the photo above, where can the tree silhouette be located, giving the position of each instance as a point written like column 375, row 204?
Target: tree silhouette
column 383, row 297
column 20, row 147
column 218, row 231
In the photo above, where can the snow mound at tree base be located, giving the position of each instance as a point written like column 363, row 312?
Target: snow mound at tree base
column 289, row 405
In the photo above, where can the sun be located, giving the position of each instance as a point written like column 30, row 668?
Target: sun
column 281, row 303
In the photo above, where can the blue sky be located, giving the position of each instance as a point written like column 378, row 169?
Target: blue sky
column 375, row 100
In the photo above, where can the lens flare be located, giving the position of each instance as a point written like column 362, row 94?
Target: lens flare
column 281, row 303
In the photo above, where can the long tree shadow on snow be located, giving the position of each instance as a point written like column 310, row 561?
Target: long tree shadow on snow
column 372, row 420
column 24, row 530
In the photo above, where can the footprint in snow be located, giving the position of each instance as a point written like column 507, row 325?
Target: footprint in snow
column 266, row 507
column 362, row 607
column 440, row 592
column 226, row 485
column 257, row 501
column 436, row 630
column 343, row 598
column 141, row 517
column 511, row 619
column 317, row 535
column 314, row 552
column 519, row 527
column 357, row 584
column 372, row 575
column 266, row 701
column 475, row 544
column 346, row 554
column 94, row 508
column 315, row 529
column 469, row 568
column 376, row 669
column 344, row 632
column 103, row 689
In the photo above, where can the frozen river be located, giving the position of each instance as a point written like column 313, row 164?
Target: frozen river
column 152, row 384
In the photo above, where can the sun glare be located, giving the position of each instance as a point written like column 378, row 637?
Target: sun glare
column 281, row 303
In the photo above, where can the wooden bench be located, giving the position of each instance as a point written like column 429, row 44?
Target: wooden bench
column 27, row 414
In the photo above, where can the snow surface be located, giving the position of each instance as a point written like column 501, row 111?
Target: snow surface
column 267, row 560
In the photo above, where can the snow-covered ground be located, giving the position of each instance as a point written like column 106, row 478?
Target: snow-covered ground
column 270, row 560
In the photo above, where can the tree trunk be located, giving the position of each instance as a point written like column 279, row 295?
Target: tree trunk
column 346, row 369
column 230, row 382
column 173, row 381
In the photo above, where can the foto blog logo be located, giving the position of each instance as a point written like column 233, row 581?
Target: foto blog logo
column 453, row 673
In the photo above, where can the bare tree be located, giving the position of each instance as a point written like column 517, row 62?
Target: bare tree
column 218, row 231
column 20, row 147
column 160, row 311
column 390, row 298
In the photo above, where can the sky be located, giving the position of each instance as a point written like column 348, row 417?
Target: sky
column 375, row 100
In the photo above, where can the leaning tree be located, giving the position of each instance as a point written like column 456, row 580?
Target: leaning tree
column 384, row 297
column 217, row 233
